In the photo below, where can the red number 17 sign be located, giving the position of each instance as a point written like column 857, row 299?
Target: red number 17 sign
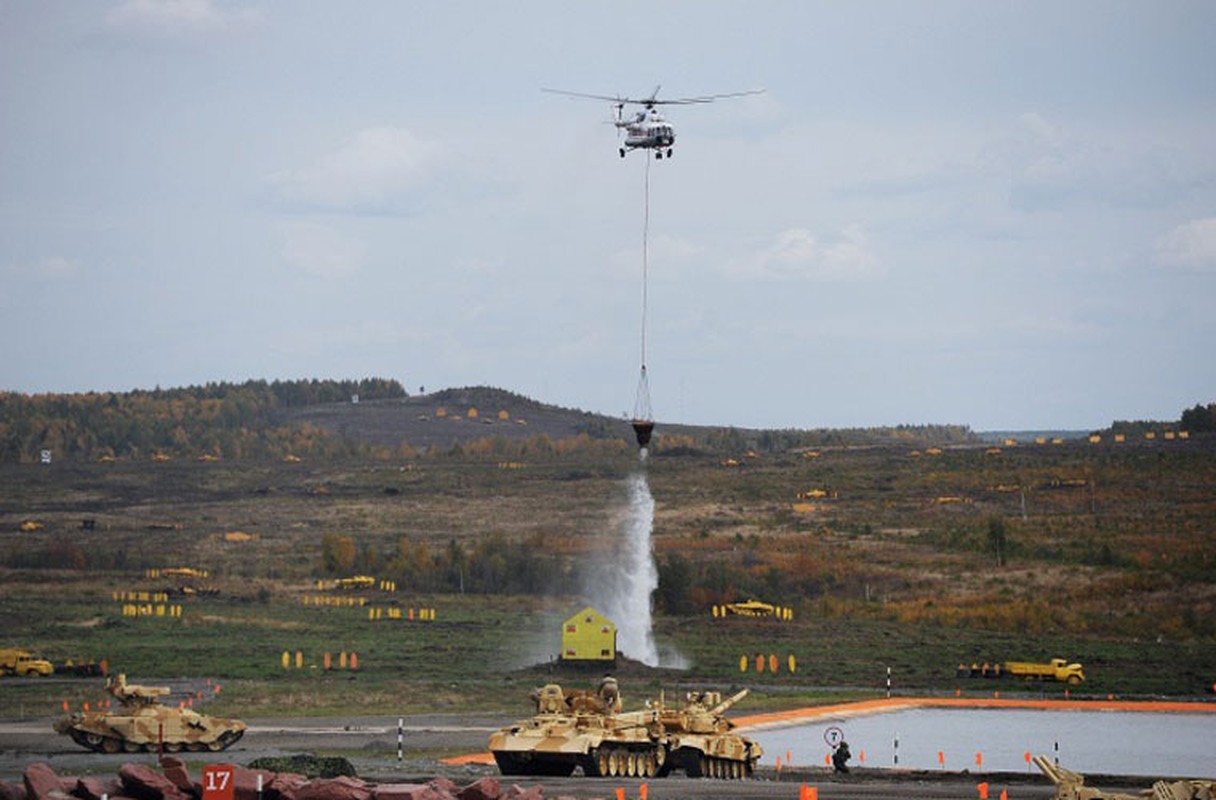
column 217, row 782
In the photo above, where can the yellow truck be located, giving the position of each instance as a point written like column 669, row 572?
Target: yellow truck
column 1058, row 669
column 14, row 661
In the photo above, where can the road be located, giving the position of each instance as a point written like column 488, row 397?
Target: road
column 370, row 744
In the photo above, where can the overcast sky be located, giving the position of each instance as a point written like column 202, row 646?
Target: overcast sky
column 1001, row 215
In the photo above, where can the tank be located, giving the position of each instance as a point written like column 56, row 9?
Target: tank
column 587, row 730
column 142, row 723
column 1071, row 786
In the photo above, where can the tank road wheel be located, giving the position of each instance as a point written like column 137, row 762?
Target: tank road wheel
column 702, row 766
column 602, row 761
column 631, row 764
column 650, row 765
column 109, row 745
column 173, row 747
column 196, row 747
column 215, row 745
column 91, row 740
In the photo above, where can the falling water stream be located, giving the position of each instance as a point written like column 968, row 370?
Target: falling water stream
column 626, row 587
column 623, row 588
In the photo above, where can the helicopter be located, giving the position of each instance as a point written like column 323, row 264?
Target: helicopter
column 647, row 129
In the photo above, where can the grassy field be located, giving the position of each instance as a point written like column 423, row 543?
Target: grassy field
column 891, row 558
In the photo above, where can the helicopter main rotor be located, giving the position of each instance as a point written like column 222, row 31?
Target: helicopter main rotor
column 653, row 100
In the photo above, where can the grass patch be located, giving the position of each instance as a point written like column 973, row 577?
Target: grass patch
column 1110, row 562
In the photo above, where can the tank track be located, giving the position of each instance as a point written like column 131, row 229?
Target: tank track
column 100, row 743
column 620, row 761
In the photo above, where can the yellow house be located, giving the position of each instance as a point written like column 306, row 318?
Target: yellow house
column 588, row 636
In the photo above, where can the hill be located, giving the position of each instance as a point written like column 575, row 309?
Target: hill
column 451, row 416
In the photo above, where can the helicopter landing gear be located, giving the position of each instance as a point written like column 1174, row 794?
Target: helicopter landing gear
column 622, row 152
column 658, row 155
column 669, row 152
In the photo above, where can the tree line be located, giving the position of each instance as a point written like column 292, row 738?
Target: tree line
column 229, row 420
column 491, row 565
column 495, row 564
column 1200, row 419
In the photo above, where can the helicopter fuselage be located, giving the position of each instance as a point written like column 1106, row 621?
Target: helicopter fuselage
column 648, row 131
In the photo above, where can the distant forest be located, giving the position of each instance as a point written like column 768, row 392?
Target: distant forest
column 224, row 420
column 246, row 421
column 1200, row 419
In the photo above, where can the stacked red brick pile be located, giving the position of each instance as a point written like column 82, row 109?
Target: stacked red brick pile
column 173, row 782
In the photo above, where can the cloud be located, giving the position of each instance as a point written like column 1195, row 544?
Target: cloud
column 341, row 337
column 372, row 171
column 795, row 254
column 1056, row 167
column 51, row 268
column 666, row 256
column 1190, row 245
column 318, row 250
column 176, row 17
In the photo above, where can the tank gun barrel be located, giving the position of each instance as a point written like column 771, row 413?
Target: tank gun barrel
column 1057, row 774
column 728, row 702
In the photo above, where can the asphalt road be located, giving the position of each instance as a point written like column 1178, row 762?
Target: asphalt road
column 370, row 744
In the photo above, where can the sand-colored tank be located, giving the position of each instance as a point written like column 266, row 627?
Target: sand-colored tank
column 701, row 741
column 587, row 730
column 142, row 723
column 1071, row 786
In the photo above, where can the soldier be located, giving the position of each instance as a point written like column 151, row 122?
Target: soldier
column 841, row 756
column 610, row 693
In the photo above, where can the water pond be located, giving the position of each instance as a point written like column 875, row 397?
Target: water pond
column 1109, row 742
